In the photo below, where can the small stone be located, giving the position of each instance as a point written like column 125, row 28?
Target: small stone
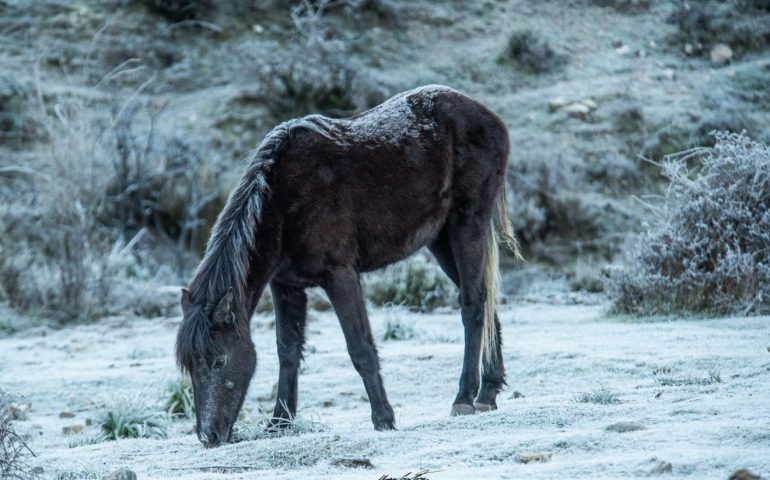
column 72, row 429
column 534, row 457
column 517, row 394
column 66, row 415
column 689, row 49
column 662, row 467
column 557, row 103
column 721, row 54
column 623, row 427
column 121, row 474
column 577, row 109
column 590, row 104
column 744, row 474
column 623, row 50
column 665, row 74
column 352, row 463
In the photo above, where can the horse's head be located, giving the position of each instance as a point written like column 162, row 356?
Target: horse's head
column 215, row 348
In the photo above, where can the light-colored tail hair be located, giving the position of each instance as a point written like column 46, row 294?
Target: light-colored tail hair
column 501, row 232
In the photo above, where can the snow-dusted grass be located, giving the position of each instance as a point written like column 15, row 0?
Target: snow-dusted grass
column 553, row 353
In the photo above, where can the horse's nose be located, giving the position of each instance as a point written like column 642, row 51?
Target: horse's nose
column 209, row 438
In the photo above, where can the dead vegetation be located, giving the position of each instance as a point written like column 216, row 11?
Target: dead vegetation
column 14, row 451
column 708, row 249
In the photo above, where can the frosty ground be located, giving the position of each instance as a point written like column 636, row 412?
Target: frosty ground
column 699, row 387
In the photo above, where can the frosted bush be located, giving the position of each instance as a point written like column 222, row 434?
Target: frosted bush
column 710, row 247
column 416, row 283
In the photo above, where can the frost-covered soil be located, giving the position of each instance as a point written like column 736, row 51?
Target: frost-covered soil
column 700, row 388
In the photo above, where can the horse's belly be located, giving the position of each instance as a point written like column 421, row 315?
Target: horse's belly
column 382, row 244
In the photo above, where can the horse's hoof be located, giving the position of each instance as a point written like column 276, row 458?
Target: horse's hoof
column 384, row 425
column 485, row 407
column 462, row 409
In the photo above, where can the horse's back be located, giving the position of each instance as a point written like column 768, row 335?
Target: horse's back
column 378, row 186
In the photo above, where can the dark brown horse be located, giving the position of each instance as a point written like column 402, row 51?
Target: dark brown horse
column 324, row 200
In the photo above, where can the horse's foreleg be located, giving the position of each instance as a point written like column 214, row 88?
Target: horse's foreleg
column 344, row 290
column 290, row 304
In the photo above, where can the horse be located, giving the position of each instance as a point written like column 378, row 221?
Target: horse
column 324, row 200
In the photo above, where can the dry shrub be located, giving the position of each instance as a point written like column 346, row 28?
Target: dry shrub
column 700, row 25
column 709, row 250
column 314, row 77
column 105, row 184
column 531, row 53
column 14, row 452
column 624, row 6
column 558, row 209
column 179, row 10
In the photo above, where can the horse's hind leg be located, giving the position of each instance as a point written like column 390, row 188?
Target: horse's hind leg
column 344, row 290
column 492, row 373
column 290, row 305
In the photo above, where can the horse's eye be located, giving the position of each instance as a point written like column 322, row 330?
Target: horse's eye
column 218, row 363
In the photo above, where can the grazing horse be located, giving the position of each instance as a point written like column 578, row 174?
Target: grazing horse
column 323, row 200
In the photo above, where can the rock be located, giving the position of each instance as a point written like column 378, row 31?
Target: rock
column 121, row 474
column 352, row 463
column 623, row 427
column 66, row 415
column 721, row 54
column 665, row 74
column 534, row 457
column 577, row 109
column 72, row 429
column 744, row 474
column 557, row 103
column 590, row 104
column 662, row 467
column 517, row 394
column 689, row 49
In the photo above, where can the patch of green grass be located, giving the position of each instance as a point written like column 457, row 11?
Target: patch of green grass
column 128, row 419
column 180, row 401
column 601, row 396
column 397, row 328
column 416, row 283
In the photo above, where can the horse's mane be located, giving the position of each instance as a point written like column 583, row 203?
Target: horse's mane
column 232, row 244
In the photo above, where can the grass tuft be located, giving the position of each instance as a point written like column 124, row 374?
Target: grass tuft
column 180, row 401
column 602, row 396
column 397, row 328
column 128, row 419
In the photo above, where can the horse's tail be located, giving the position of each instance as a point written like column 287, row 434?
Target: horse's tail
column 500, row 232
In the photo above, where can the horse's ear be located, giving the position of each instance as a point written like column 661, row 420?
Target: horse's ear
column 186, row 300
column 223, row 314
